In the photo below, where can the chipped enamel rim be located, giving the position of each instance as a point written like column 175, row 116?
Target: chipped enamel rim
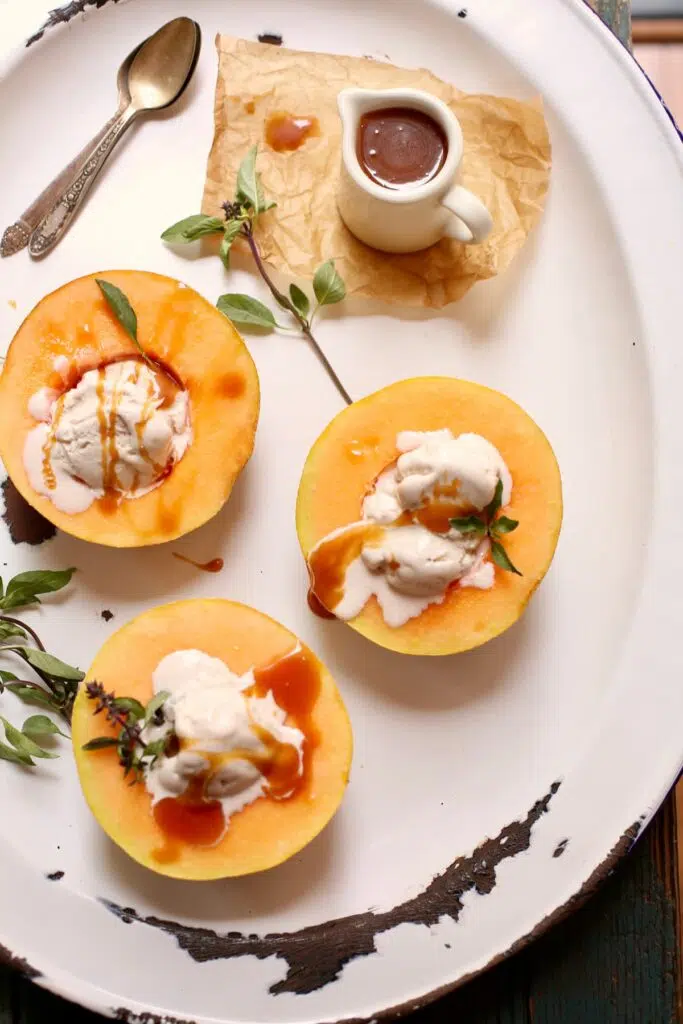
column 628, row 790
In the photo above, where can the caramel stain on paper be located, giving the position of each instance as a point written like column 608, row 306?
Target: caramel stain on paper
column 316, row 955
column 288, row 132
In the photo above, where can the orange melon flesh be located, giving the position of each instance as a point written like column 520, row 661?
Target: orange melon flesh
column 184, row 331
column 264, row 833
column 360, row 442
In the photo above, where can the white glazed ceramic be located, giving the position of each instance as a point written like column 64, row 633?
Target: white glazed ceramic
column 409, row 218
column 455, row 758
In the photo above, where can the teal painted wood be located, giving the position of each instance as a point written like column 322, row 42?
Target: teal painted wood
column 617, row 14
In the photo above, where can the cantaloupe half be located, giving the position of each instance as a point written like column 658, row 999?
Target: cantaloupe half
column 267, row 831
column 202, row 349
column 360, row 442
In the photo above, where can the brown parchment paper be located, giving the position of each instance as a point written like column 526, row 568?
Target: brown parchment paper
column 506, row 163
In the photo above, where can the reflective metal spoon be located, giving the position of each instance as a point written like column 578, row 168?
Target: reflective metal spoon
column 152, row 77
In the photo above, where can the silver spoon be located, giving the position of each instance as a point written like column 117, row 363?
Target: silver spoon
column 152, row 77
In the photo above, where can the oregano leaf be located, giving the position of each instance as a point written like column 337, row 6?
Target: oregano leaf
column 502, row 559
column 230, row 233
column 40, row 725
column 300, row 300
column 469, row 524
column 189, row 229
column 503, row 525
column 24, row 744
column 24, row 588
column 16, row 756
column 155, row 704
column 248, row 187
column 100, row 742
column 495, row 503
column 51, row 666
column 248, row 312
column 328, row 285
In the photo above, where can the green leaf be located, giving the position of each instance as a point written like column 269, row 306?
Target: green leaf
column 189, row 229
column 248, row 184
column 155, row 704
column 16, row 756
column 232, row 230
column 1, row 587
column 492, row 508
column 500, row 557
column 120, row 307
column 469, row 524
column 24, row 588
column 328, row 285
column 155, row 749
column 50, row 665
column 134, row 708
column 40, row 725
column 34, row 695
column 8, row 629
column 300, row 300
column 24, row 744
column 99, row 743
column 244, row 310
column 7, row 677
column 503, row 525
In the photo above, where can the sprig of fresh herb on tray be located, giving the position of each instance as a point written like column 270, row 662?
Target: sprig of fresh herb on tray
column 58, row 684
column 130, row 717
column 240, row 218
column 493, row 526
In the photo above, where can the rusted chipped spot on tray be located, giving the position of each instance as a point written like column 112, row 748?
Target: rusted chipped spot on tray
column 146, row 1018
column 315, row 956
column 588, row 889
column 25, row 524
column 18, row 963
column 62, row 15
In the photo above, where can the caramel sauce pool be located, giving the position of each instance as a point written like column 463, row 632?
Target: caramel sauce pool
column 286, row 132
column 215, row 565
column 398, row 146
column 192, row 819
column 328, row 563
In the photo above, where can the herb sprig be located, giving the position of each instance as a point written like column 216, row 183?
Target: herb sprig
column 241, row 216
column 58, row 684
column 493, row 526
column 130, row 717
column 120, row 306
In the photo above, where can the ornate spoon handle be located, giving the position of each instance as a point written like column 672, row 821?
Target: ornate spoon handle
column 16, row 236
column 67, row 201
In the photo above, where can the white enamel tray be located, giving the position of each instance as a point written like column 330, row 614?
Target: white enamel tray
column 472, row 774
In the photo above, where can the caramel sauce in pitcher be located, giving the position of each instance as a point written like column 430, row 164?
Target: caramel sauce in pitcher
column 399, row 147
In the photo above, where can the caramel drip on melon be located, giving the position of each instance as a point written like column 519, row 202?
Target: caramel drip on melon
column 48, row 472
column 194, row 819
column 329, row 562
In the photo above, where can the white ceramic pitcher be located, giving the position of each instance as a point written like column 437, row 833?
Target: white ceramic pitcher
column 412, row 217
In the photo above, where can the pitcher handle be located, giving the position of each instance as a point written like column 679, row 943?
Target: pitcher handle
column 471, row 221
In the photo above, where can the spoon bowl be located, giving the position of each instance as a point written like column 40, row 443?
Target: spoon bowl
column 162, row 66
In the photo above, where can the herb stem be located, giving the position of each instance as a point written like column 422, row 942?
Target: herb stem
column 31, row 632
column 283, row 300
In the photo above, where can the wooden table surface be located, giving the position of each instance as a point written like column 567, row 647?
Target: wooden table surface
column 615, row 961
